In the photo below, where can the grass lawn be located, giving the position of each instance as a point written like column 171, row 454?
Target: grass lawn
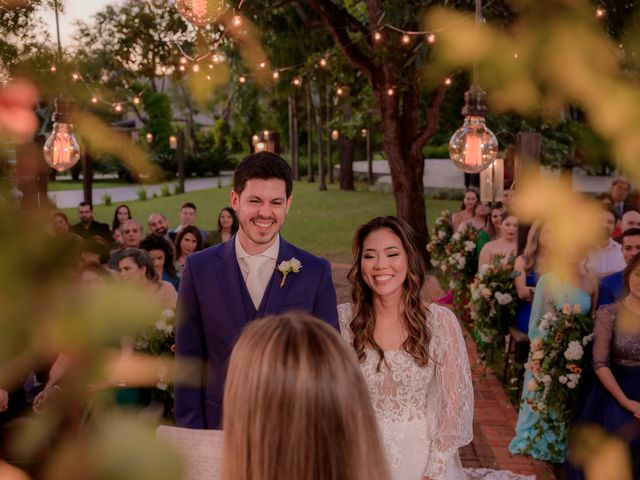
column 63, row 185
column 320, row 222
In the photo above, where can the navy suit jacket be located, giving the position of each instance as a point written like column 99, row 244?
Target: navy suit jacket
column 611, row 288
column 213, row 308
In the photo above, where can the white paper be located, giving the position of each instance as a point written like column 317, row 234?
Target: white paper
column 200, row 449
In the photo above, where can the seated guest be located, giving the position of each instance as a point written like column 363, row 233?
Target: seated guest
column 607, row 257
column 135, row 266
column 227, row 227
column 157, row 223
column 120, row 215
column 492, row 230
column 88, row 227
column 505, row 245
column 161, row 254
column 631, row 219
column 612, row 286
column 480, row 217
column 620, row 188
column 187, row 218
column 528, row 266
column 467, row 209
column 132, row 234
column 188, row 241
column 60, row 223
column 94, row 251
column 614, row 400
column 297, row 407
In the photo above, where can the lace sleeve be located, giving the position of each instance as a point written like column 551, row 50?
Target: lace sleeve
column 344, row 318
column 602, row 335
column 454, row 422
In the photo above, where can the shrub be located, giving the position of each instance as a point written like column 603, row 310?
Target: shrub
column 106, row 199
column 164, row 190
column 142, row 194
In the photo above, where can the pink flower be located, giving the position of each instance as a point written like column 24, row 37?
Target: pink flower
column 536, row 344
column 577, row 309
column 566, row 309
column 17, row 118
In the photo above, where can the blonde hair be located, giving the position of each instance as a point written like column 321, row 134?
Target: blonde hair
column 296, row 406
column 532, row 248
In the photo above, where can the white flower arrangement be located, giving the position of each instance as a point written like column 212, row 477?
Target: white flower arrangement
column 469, row 246
column 574, row 351
column 503, row 298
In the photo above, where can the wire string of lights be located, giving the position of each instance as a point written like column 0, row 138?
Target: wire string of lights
column 199, row 63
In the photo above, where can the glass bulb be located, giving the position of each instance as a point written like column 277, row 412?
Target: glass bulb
column 201, row 12
column 61, row 150
column 473, row 147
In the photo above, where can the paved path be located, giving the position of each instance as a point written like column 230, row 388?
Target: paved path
column 494, row 416
column 71, row 198
column 444, row 174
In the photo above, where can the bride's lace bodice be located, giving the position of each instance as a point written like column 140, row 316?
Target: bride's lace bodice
column 424, row 414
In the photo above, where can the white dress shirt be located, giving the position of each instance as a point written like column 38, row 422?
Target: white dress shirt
column 607, row 260
column 257, row 269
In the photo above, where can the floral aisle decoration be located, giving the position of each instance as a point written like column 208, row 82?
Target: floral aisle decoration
column 462, row 262
column 439, row 248
column 159, row 339
column 556, row 364
column 492, row 306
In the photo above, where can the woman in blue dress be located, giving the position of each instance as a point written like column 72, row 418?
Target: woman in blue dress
column 528, row 266
column 614, row 400
column 575, row 287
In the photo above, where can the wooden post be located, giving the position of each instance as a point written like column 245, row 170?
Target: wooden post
column 528, row 151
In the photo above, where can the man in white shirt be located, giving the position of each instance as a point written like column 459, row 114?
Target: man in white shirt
column 607, row 257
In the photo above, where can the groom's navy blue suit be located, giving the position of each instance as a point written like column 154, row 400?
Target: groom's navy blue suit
column 214, row 306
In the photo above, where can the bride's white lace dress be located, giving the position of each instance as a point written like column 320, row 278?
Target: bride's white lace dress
column 424, row 414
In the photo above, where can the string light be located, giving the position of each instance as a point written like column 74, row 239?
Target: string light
column 296, row 81
column 431, row 38
column 75, row 77
column 600, row 12
column 242, row 79
column 210, row 66
column 364, row 132
column 216, row 58
column 136, row 101
column 117, row 107
column 339, row 91
column 377, row 36
column 262, row 65
column 53, row 68
column 447, row 81
column 209, row 77
column 182, row 68
column 276, row 75
column 149, row 137
column 183, row 60
column 200, row 12
column 406, row 39
column 515, row 55
column 196, row 68
column 323, row 62
column 335, row 135
column 94, row 99
column 236, row 20
column 391, row 92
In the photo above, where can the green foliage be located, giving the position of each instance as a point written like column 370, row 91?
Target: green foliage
column 106, row 199
column 165, row 191
column 157, row 106
column 210, row 157
column 436, row 151
column 142, row 193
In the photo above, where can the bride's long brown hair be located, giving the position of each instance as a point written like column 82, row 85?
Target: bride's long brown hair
column 414, row 311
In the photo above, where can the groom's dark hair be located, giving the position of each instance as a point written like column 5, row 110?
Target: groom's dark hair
column 263, row 165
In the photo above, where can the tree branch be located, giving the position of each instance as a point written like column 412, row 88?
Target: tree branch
column 338, row 22
column 433, row 117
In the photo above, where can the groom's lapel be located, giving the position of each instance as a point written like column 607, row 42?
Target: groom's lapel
column 276, row 294
column 229, row 279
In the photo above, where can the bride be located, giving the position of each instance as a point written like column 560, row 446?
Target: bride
column 412, row 355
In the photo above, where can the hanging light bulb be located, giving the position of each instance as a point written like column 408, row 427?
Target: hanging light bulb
column 377, row 36
column 149, row 137
column 297, row 81
column 136, row 100
column 276, row 75
column 61, row 150
column 473, row 147
column 201, row 12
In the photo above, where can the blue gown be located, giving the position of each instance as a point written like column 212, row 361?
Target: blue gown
column 523, row 309
column 550, row 288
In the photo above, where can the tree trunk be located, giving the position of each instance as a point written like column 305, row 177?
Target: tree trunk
column 328, row 133
column 295, row 152
column 346, row 150
column 309, row 139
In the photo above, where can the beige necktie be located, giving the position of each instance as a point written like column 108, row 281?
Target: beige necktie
column 254, row 283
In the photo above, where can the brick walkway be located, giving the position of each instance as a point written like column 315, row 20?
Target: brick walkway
column 494, row 416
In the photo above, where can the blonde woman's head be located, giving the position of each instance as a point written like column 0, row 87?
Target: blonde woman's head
column 296, row 406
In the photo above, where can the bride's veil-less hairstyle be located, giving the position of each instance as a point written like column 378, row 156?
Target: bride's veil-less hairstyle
column 297, row 407
column 414, row 308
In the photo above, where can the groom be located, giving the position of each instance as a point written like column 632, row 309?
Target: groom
column 227, row 286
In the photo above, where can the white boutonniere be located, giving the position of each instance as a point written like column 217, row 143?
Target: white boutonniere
column 288, row 266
